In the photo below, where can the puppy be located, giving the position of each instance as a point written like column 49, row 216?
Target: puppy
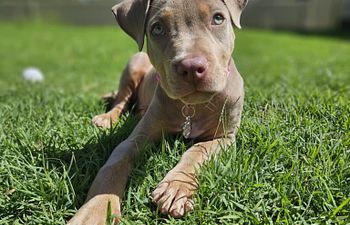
column 187, row 84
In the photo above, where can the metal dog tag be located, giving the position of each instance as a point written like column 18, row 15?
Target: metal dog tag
column 187, row 112
column 186, row 127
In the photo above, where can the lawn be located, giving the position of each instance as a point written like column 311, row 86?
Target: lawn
column 292, row 160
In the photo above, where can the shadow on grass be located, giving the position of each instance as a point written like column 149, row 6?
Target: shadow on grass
column 82, row 165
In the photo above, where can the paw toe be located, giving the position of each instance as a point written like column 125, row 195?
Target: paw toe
column 189, row 205
column 177, row 213
column 102, row 121
column 158, row 192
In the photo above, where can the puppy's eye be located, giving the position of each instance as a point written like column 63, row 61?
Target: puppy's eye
column 157, row 29
column 218, row 19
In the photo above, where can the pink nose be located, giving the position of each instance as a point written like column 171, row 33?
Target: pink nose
column 192, row 66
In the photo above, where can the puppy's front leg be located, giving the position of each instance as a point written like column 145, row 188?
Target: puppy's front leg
column 174, row 193
column 109, row 183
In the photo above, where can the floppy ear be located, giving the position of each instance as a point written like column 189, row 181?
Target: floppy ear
column 131, row 16
column 235, row 7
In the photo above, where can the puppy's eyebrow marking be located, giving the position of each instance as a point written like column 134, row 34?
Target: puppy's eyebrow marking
column 167, row 15
column 204, row 9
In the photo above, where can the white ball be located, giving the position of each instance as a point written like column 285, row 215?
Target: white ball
column 33, row 74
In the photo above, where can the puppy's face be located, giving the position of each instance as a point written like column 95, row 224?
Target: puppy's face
column 190, row 44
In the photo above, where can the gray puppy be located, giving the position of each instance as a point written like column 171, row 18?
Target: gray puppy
column 187, row 83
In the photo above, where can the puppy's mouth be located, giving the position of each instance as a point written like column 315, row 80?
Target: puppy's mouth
column 197, row 97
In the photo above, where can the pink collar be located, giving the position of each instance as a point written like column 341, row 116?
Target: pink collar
column 157, row 77
column 229, row 67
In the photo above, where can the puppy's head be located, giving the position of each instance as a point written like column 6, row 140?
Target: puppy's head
column 189, row 42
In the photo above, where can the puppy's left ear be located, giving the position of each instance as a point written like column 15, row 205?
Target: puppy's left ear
column 235, row 7
column 131, row 15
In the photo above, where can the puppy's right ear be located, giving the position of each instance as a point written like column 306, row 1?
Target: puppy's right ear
column 131, row 16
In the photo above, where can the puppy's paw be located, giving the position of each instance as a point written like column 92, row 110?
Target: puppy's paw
column 105, row 120
column 95, row 211
column 174, row 194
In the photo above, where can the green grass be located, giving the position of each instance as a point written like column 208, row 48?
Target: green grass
column 291, row 164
